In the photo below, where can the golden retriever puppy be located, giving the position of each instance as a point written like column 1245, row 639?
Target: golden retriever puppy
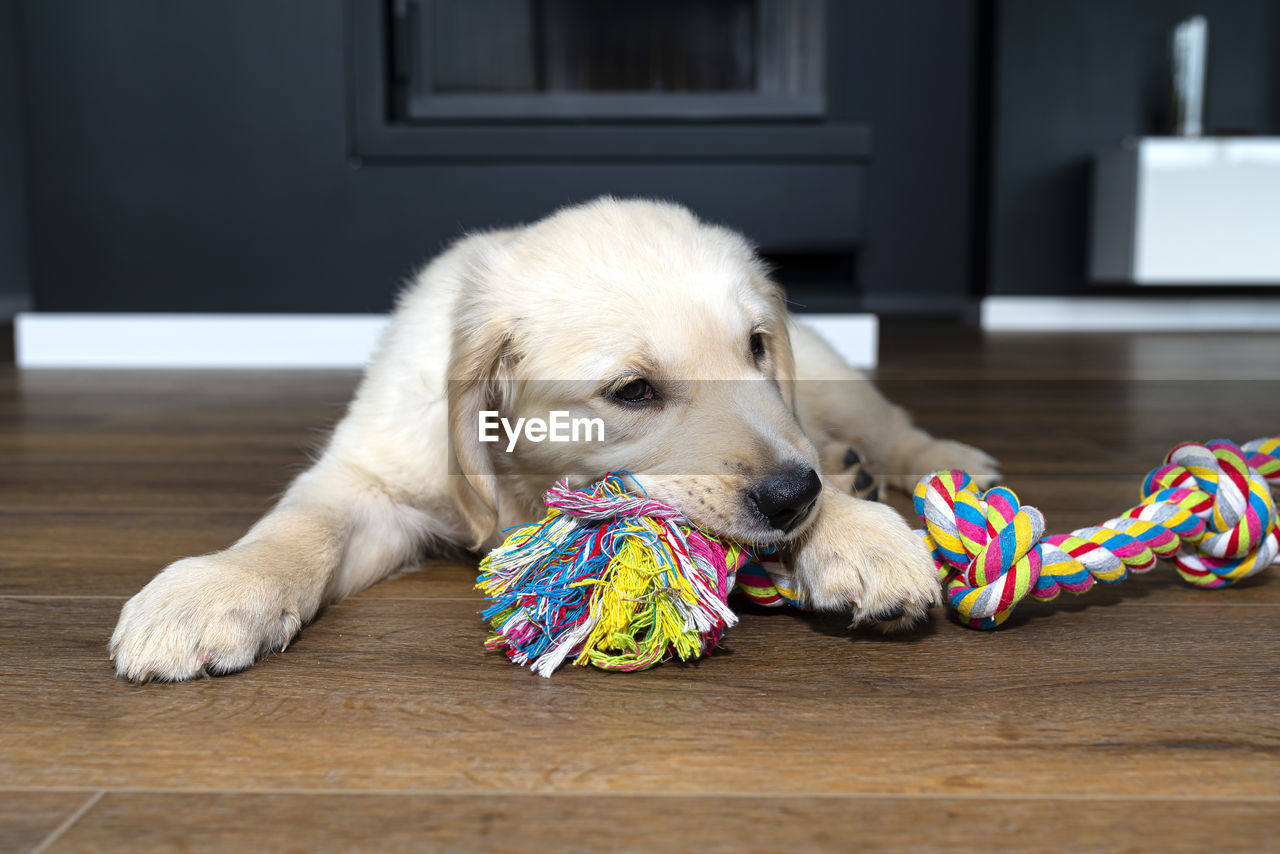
column 664, row 338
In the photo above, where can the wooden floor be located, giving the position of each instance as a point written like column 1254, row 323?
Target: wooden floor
column 1145, row 716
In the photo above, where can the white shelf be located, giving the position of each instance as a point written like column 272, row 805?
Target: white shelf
column 1173, row 211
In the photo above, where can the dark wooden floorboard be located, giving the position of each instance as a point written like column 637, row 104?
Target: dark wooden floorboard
column 1137, row 716
column 442, row 822
column 387, row 694
column 117, row 559
column 28, row 818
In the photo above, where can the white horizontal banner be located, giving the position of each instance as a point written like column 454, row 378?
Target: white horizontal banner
column 196, row 340
column 55, row 340
column 1137, row 314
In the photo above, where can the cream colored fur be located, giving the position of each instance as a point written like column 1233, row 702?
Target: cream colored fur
column 553, row 316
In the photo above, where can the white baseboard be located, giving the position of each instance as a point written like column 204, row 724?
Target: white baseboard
column 1125, row 314
column 196, row 340
column 234, row 341
column 856, row 337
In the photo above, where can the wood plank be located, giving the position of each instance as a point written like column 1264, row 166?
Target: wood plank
column 122, row 576
column 166, row 486
column 27, row 818
column 169, row 486
column 208, row 444
column 945, row 351
column 269, row 417
column 392, row 695
column 129, row 387
column 114, row 553
column 437, row 579
column 445, row 822
column 96, row 552
column 1074, row 497
column 119, row 579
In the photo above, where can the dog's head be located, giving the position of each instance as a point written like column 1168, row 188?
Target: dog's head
column 655, row 344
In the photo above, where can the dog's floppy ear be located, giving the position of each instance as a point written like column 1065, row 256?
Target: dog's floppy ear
column 786, row 362
column 783, row 359
column 481, row 377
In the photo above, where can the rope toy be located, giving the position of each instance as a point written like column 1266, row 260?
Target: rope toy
column 1207, row 509
column 612, row 579
column 622, row 582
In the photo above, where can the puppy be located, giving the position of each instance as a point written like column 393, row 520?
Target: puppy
column 664, row 332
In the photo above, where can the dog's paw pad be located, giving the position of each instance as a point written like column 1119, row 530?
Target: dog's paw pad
column 865, row 484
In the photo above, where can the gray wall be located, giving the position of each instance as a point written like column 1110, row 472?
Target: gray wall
column 196, row 157
column 912, row 76
column 1075, row 77
column 14, row 285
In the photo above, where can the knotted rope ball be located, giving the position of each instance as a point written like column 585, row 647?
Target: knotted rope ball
column 621, row 582
column 612, row 579
column 1208, row 509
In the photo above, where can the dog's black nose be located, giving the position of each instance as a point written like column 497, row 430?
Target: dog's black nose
column 786, row 498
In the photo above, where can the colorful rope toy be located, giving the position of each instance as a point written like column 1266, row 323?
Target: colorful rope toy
column 622, row 582
column 610, row 578
column 1207, row 509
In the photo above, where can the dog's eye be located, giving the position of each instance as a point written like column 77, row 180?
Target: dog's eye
column 636, row 391
column 757, row 346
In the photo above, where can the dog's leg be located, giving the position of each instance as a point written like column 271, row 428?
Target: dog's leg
column 334, row 532
column 862, row 555
column 838, row 406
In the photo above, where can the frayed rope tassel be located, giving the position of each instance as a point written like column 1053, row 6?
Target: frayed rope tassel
column 609, row 579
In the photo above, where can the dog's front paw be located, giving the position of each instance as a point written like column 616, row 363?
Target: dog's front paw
column 201, row 615
column 862, row 555
column 946, row 454
column 846, row 469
